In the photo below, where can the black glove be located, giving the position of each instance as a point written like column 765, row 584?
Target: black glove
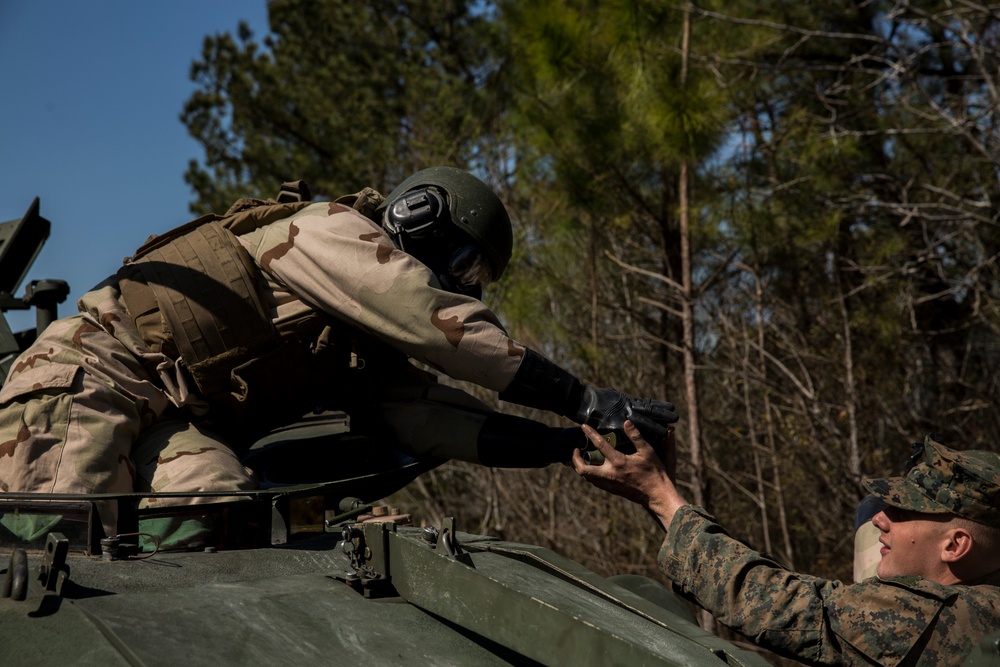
column 606, row 409
column 539, row 383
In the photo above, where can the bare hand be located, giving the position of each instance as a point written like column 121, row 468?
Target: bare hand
column 640, row 477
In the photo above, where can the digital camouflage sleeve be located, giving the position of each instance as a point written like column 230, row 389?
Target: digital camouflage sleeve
column 820, row 621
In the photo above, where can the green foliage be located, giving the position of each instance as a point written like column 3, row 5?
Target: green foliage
column 843, row 232
column 343, row 95
column 605, row 120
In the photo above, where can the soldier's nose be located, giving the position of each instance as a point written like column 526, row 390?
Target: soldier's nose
column 881, row 521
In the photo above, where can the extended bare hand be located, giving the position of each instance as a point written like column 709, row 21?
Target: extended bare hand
column 640, row 477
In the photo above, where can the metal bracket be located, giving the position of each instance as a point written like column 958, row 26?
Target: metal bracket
column 54, row 572
column 279, row 522
column 447, row 542
column 367, row 547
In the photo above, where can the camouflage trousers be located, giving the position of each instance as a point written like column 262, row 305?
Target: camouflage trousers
column 80, row 414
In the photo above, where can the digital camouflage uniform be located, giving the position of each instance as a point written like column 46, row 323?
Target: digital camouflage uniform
column 902, row 620
column 91, row 408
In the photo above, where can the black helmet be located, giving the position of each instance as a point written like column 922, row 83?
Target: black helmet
column 414, row 211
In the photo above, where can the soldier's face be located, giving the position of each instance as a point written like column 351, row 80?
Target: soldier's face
column 911, row 542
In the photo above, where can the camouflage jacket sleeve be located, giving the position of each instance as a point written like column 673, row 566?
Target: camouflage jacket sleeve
column 820, row 621
column 340, row 262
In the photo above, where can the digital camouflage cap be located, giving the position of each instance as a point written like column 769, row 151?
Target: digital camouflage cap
column 966, row 484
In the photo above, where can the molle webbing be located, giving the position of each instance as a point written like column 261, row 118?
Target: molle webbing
column 205, row 286
column 195, row 291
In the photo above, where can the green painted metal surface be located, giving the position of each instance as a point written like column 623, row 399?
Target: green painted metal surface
column 388, row 595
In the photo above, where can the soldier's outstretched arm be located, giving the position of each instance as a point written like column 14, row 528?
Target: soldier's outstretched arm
column 539, row 383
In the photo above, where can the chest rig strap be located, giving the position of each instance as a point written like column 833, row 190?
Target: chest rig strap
column 210, row 299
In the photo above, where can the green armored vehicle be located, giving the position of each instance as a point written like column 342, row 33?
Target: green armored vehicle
column 306, row 569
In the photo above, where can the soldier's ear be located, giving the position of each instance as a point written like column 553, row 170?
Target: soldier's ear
column 958, row 544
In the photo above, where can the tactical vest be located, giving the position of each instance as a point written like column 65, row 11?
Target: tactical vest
column 195, row 293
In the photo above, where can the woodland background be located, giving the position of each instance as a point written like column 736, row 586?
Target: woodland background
column 779, row 215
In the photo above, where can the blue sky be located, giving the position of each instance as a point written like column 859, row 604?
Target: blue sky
column 90, row 98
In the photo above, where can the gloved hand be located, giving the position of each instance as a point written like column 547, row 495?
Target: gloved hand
column 539, row 383
column 606, row 409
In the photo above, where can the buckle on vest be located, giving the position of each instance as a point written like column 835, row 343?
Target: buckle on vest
column 294, row 191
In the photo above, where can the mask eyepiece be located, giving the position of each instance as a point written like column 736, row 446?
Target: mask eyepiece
column 470, row 268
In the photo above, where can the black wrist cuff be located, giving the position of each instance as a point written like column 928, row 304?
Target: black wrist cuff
column 541, row 384
column 506, row 441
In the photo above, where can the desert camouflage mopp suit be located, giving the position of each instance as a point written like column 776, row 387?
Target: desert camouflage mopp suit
column 97, row 405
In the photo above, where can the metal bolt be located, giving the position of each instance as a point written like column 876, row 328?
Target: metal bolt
column 109, row 548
